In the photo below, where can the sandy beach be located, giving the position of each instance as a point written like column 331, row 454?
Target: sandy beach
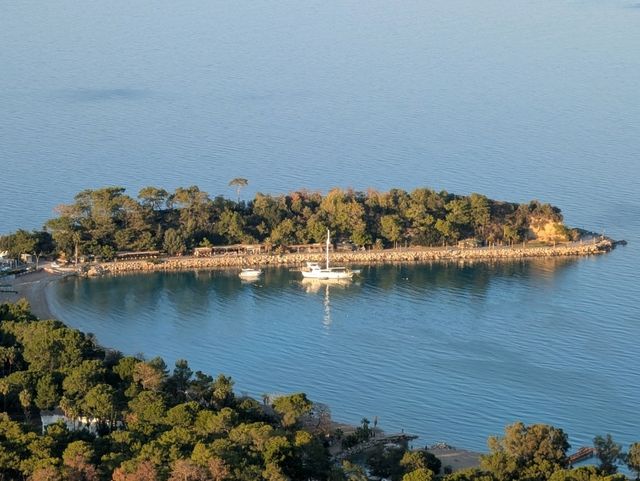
column 32, row 287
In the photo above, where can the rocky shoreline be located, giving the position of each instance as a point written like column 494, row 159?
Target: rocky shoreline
column 391, row 256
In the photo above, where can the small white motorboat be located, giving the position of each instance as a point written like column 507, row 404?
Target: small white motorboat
column 250, row 273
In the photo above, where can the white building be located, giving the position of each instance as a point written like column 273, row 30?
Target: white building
column 51, row 417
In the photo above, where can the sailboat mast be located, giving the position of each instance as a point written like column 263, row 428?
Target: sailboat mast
column 328, row 248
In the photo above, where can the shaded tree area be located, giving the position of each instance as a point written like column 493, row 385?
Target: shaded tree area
column 103, row 221
column 609, row 453
column 538, row 452
column 151, row 422
column 397, row 463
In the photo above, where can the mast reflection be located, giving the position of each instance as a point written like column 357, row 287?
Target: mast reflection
column 314, row 286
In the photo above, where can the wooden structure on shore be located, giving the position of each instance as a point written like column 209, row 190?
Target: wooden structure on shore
column 373, row 443
column 470, row 243
column 130, row 256
column 581, row 454
column 254, row 249
column 317, row 248
column 234, row 250
column 203, row 252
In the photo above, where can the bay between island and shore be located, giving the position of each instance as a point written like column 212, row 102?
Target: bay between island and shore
column 32, row 285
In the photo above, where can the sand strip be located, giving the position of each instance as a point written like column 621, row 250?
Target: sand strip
column 32, row 287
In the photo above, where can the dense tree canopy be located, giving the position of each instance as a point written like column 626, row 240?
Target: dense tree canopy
column 608, row 452
column 633, row 459
column 148, row 422
column 532, row 452
column 103, row 221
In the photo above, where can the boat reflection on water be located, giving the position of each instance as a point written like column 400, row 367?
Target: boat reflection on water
column 314, row 286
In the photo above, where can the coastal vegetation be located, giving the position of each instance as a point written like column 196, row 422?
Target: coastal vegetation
column 101, row 222
column 131, row 418
column 146, row 422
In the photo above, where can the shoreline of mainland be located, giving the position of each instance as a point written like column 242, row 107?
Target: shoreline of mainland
column 32, row 286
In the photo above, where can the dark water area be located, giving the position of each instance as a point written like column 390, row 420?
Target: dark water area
column 516, row 100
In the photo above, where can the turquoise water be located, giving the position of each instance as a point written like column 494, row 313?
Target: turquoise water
column 514, row 99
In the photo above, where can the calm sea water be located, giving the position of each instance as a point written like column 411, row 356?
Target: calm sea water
column 514, row 99
column 447, row 351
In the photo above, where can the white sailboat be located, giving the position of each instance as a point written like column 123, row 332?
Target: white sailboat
column 313, row 270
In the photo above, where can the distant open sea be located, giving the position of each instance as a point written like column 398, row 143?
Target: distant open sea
column 516, row 100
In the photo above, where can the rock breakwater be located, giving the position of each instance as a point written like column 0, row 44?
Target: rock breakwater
column 411, row 255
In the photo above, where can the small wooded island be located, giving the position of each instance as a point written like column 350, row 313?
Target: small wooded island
column 107, row 224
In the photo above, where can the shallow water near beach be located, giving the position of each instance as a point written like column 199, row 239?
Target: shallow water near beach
column 516, row 100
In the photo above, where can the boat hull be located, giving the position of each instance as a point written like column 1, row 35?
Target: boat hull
column 315, row 271
column 323, row 274
column 250, row 274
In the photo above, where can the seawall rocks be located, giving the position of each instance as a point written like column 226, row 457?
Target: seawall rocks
column 412, row 255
